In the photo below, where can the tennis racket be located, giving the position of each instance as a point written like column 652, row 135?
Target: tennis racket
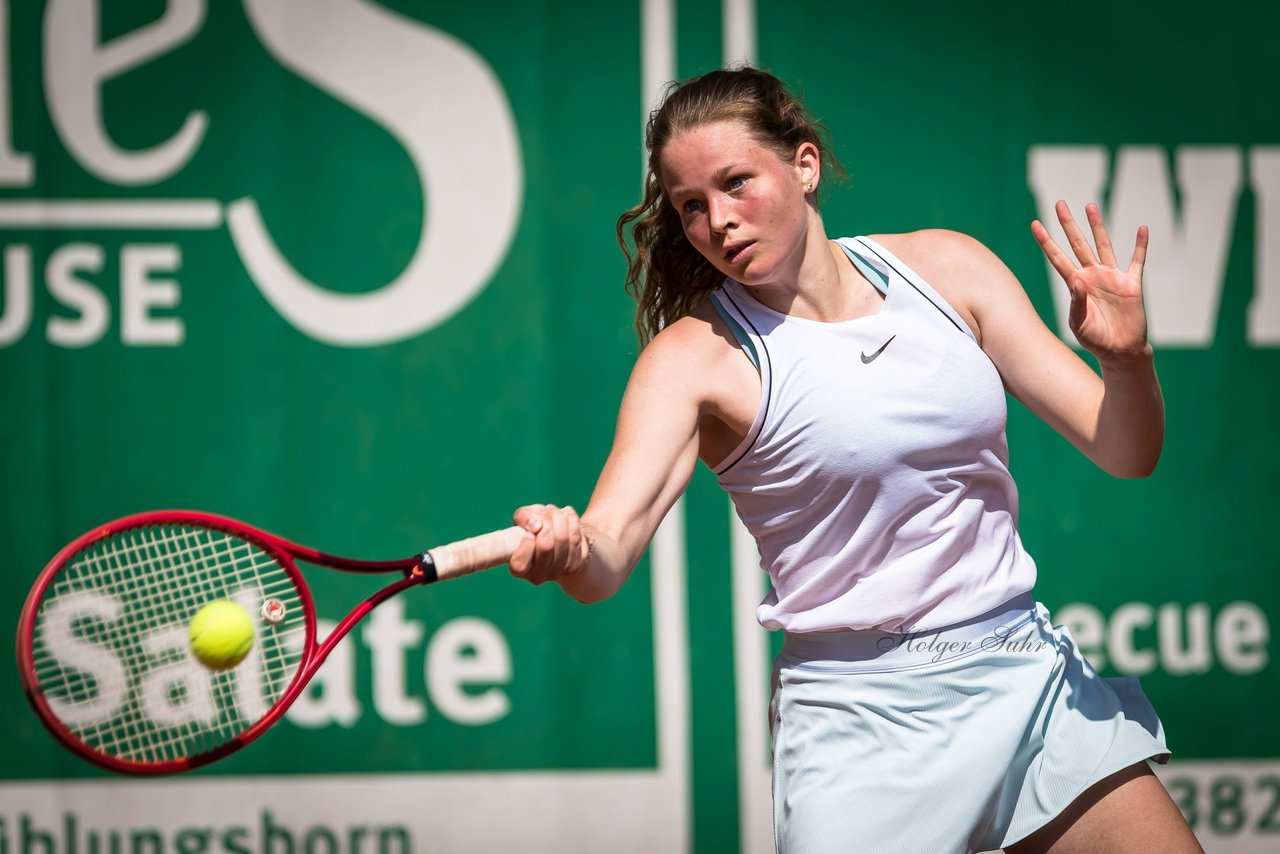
column 103, row 640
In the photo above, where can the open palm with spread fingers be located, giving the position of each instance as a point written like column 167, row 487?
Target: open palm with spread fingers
column 1106, row 315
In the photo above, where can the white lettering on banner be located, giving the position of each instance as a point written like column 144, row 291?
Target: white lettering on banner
column 330, row 696
column 1187, row 638
column 141, row 292
column 467, row 661
column 388, row 636
column 414, row 80
column 17, row 169
column 464, row 653
column 1264, row 310
column 1184, row 652
column 76, row 294
column 1120, row 636
column 78, row 655
column 180, row 690
column 157, row 669
column 1242, row 635
column 1186, row 265
column 77, row 66
column 17, row 294
column 417, row 82
column 21, row 832
column 469, row 652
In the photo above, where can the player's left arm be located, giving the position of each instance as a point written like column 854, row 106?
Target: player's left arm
column 1116, row 419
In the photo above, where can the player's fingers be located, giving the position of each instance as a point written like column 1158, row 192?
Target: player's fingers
column 576, row 549
column 522, row 558
column 529, row 517
column 549, row 560
column 1139, row 253
column 559, row 524
column 1075, row 237
column 544, row 540
column 1106, row 254
column 553, row 545
column 1064, row 265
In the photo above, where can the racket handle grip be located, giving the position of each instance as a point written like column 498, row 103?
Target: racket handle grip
column 475, row 553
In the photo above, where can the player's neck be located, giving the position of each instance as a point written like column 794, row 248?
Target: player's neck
column 822, row 288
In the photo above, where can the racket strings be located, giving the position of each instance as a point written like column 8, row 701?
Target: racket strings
column 111, row 642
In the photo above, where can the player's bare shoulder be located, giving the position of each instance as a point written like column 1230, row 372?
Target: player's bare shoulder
column 957, row 266
column 701, row 364
column 935, row 253
column 708, row 362
column 686, row 346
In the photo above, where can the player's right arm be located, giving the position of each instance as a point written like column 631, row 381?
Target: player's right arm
column 654, row 452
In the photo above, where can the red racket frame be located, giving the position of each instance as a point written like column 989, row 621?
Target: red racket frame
column 417, row 570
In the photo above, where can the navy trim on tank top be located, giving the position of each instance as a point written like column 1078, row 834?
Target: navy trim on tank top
column 738, row 332
column 917, row 290
column 766, row 388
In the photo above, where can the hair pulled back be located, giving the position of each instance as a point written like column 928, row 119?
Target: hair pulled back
column 666, row 275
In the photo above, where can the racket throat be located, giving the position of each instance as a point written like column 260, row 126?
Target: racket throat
column 424, row 571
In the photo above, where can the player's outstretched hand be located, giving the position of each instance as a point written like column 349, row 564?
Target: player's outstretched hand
column 554, row 546
column 1107, row 316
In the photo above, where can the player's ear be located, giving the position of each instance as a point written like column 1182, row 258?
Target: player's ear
column 807, row 164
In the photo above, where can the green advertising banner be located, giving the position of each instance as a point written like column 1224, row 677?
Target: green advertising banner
column 347, row 270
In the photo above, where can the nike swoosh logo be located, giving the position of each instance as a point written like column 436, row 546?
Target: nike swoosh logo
column 866, row 360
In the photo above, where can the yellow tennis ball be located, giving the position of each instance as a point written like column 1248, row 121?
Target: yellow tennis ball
column 221, row 634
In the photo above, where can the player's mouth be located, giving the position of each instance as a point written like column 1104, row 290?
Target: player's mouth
column 738, row 251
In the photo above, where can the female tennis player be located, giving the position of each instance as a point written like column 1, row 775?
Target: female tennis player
column 850, row 397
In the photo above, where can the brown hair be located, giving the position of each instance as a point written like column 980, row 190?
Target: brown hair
column 668, row 277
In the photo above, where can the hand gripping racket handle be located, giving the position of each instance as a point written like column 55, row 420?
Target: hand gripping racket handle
column 471, row 555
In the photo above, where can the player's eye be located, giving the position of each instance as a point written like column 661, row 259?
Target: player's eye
column 737, row 182
column 691, row 206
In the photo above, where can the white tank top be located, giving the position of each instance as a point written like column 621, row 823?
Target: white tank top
column 875, row 476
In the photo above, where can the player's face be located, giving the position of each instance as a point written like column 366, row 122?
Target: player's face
column 743, row 207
